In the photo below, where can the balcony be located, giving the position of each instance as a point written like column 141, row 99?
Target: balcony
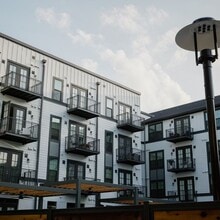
column 177, row 166
column 129, row 122
column 130, row 156
column 21, row 86
column 17, row 175
column 178, row 134
column 83, row 107
column 18, row 130
column 78, row 144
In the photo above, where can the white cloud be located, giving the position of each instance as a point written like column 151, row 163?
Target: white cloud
column 156, row 15
column 136, row 65
column 84, row 38
column 127, row 18
column 81, row 37
column 134, row 62
column 62, row 20
column 48, row 15
column 141, row 43
column 89, row 64
column 165, row 41
column 142, row 73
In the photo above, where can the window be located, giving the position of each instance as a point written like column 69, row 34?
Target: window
column 109, row 107
column 8, row 204
column 155, row 132
column 14, row 160
column 184, row 157
column 57, row 93
column 79, row 97
column 10, row 165
column 3, row 157
column 75, row 170
column 157, row 176
column 124, row 113
column 125, row 177
column 51, row 205
column 54, row 148
column 217, row 116
column 186, row 188
column 18, row 76
column 108, row 156
column 124, row 146
column 182, row 126
column 77, row 133
column 13, row 118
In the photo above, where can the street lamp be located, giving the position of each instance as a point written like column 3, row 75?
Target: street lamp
column 203, row 36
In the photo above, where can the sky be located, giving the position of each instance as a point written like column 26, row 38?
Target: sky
column 131, row 42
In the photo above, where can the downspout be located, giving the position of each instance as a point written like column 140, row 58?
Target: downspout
column 39, row 127
column 145, row 164
column 97, row 197
column 97, row 129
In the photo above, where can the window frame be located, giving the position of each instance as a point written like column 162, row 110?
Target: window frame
column 52, row 157
column 155, row 133
column 56, row 90
column 182, row 128
column 18, row 75
column 110, row 168
column 186, row 190
column 154, row 169
column 76, row 165
column 110, row 109
column 79, row 97
column 125, row 179
column 11, row 122
column 183, row 148
column 206, row 119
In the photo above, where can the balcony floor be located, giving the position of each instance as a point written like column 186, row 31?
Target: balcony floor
column 17, row 138
column 81, row 151
column 130, row 127
column 20, row 93
column 82, row 113
column 176, row 139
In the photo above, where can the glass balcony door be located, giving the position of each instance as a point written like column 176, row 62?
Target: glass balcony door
column 75, row 170
column 186, row 189
column 77, row 134
column 13, row 119
column 184, row 157
column 10, row 165
column 182, row 126
column 81, row 94
column 18, row 76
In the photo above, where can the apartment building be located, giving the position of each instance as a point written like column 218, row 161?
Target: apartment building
column 68, row 137
column 177, row 152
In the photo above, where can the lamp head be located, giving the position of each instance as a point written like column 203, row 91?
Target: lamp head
column 207, row 32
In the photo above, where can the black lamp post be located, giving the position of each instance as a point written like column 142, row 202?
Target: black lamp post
column 203, row 36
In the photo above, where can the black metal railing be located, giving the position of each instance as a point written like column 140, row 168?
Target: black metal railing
column 129, row 154
column 141, row 190
column 77, row 142
column 82, row 102
column 130, row 193
column 21, row 82
column 181, row 133
column 17, row 175
column 131, row 119
column 172, row 195
column 181, row 164
column 19, row 127
column 81, row 177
